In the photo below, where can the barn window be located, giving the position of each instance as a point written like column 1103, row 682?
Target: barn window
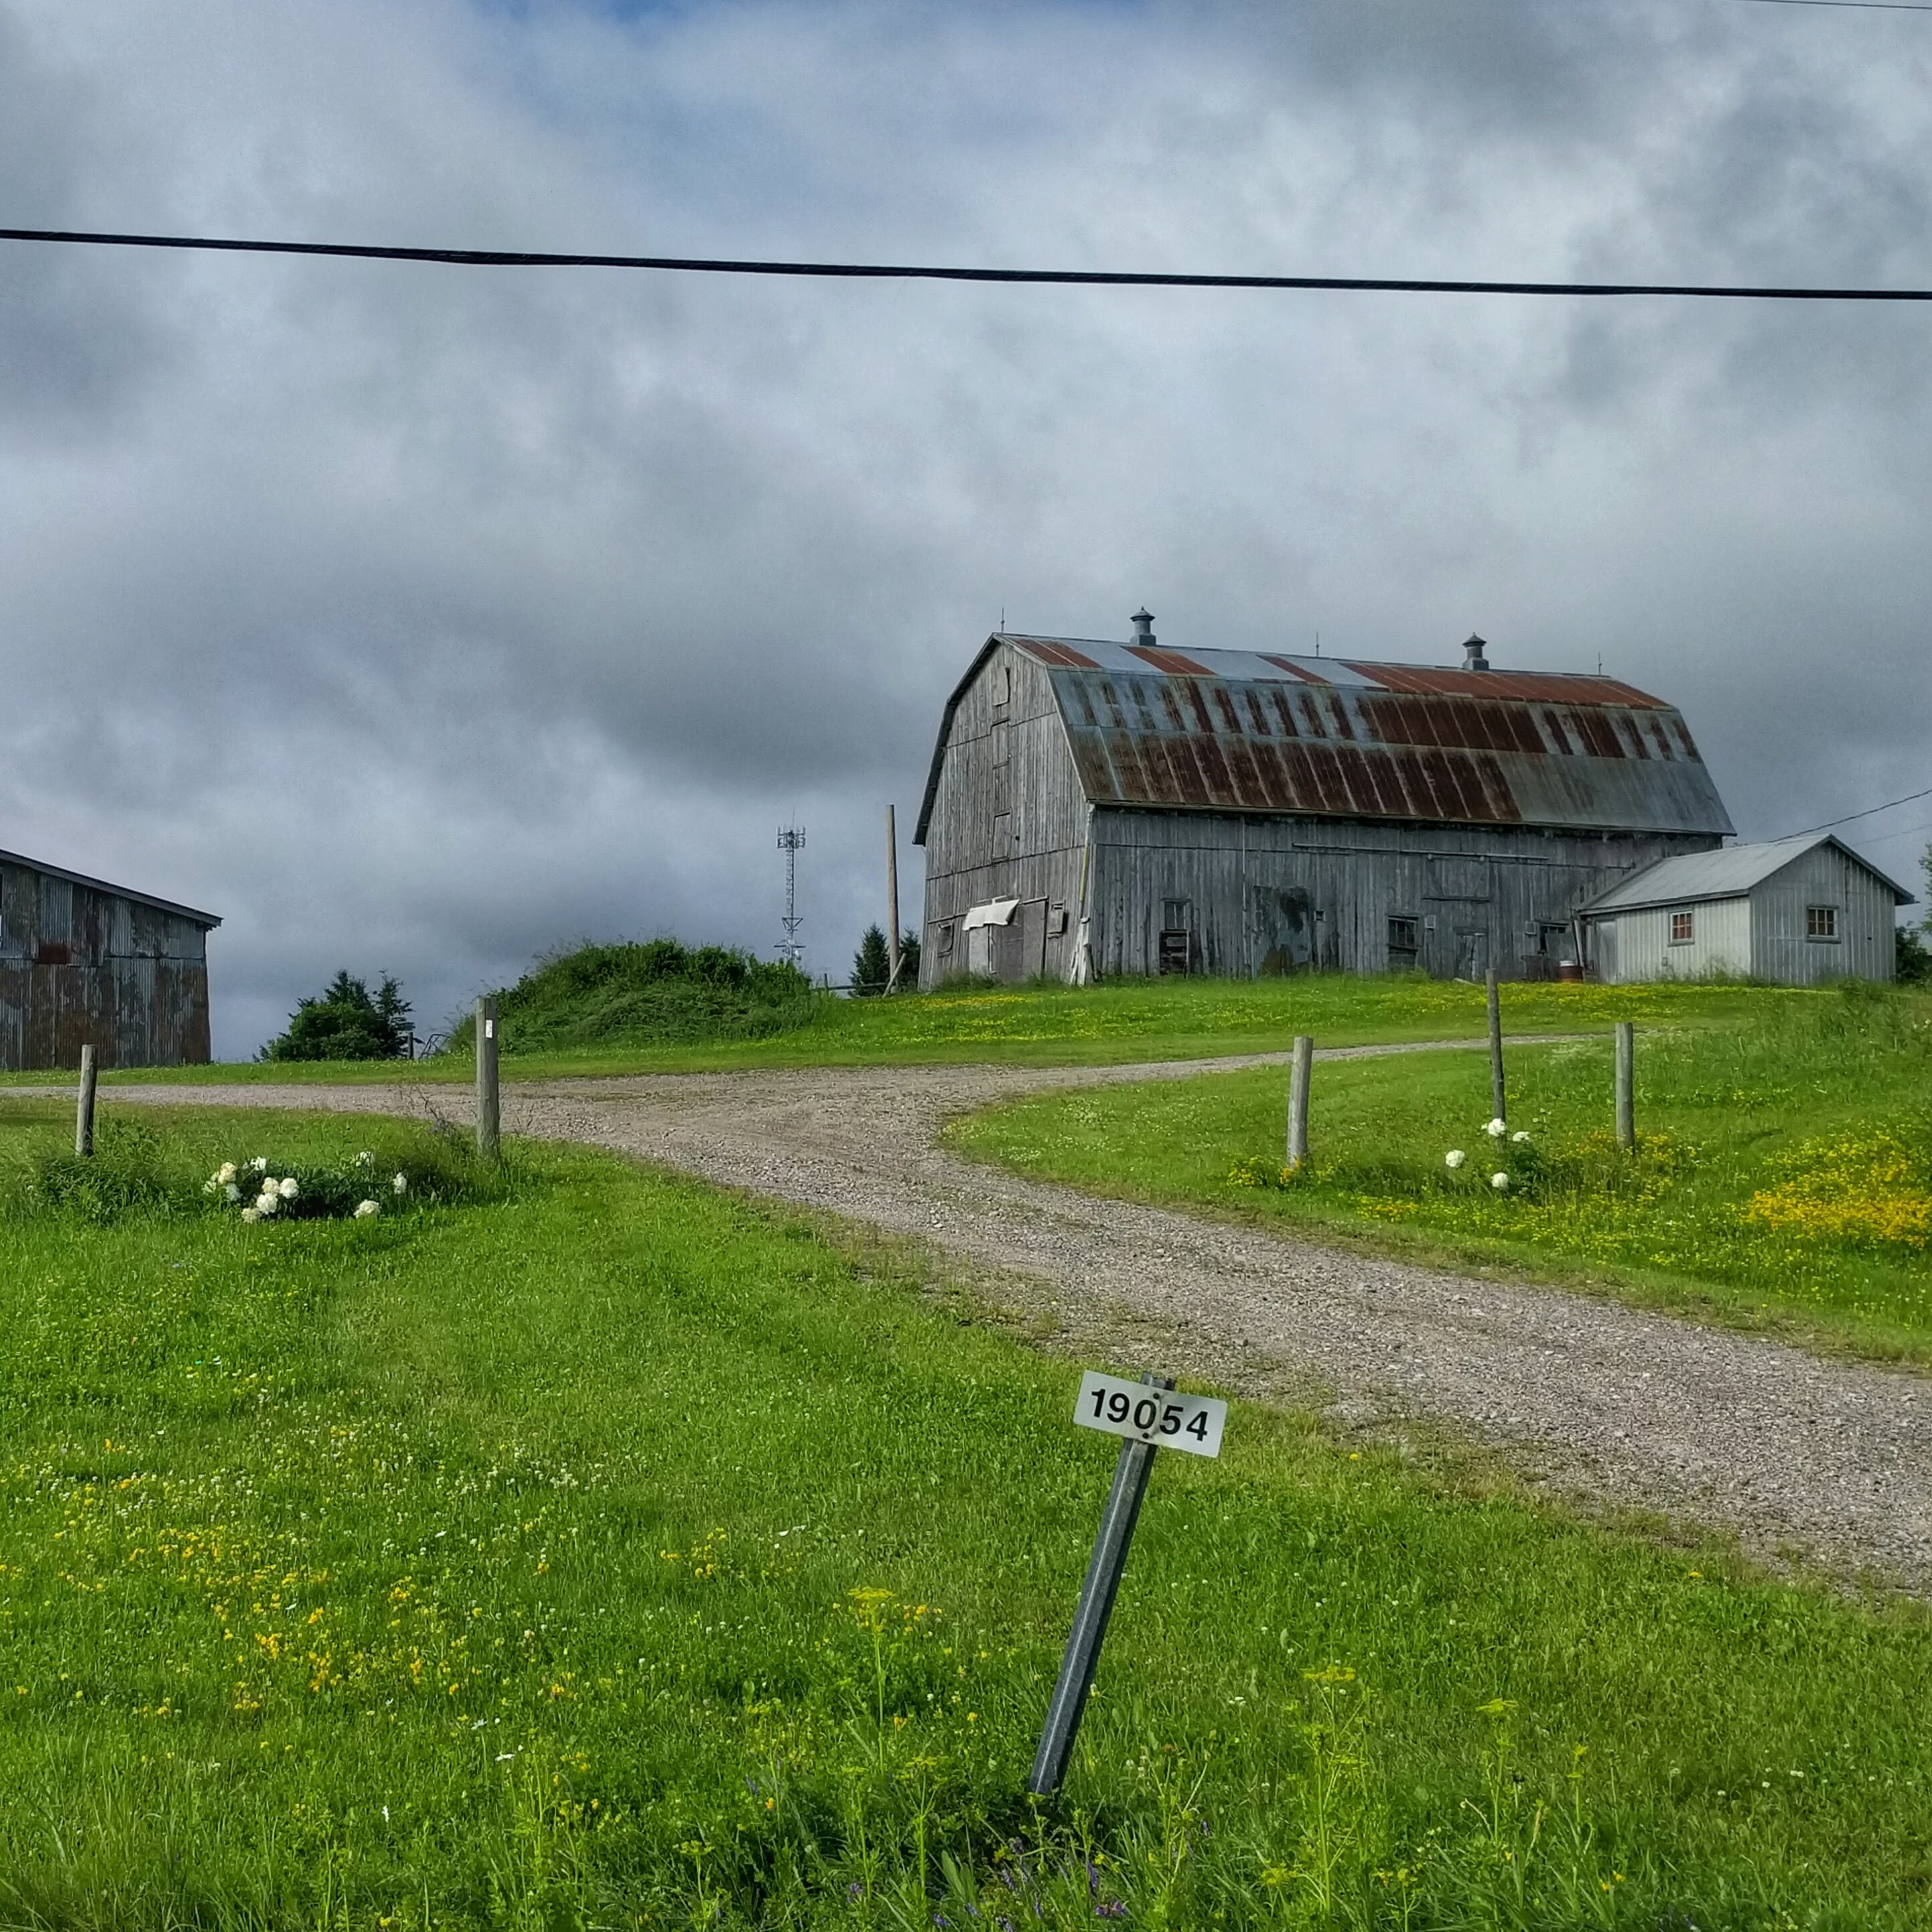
column 1003, row 686
column 1404, row 941
column 1683, row 928
column 1003, row 834
column 946, row 936
column 1821, row 921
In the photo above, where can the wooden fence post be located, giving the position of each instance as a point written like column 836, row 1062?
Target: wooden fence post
column 1298, row 1099
column 1498, row 1098
column 1626, row 1085
column 83, row 1114
column 489, row 1116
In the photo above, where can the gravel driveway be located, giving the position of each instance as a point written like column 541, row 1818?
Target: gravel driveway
column 1791, row 1451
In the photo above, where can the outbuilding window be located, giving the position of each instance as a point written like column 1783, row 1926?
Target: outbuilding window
column 1683, row 928
column 1404, row 941
column 1821, row 921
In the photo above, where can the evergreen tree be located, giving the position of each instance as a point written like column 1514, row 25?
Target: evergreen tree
column 345, row 1021
column 1914, row 965
column 908, row 963
column 871, row 964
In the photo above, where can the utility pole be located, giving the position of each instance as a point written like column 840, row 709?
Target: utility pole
column 891, row 900
column 789, row 840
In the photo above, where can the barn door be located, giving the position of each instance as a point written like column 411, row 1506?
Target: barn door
column 1019, row 946
column 1281, row 930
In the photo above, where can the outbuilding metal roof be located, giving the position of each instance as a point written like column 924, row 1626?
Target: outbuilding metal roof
column 206, row 920
column 1728, row 874
column 1249, row 731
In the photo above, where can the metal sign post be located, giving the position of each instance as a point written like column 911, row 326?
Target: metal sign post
column 1150, row 1416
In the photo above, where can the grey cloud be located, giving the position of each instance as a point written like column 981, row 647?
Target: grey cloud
column 417, row 618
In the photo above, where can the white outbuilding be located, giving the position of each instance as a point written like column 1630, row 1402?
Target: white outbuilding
column 1793, row 911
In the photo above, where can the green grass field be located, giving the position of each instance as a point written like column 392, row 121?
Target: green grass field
column 1783, row 1175
column 609, row 1552
column 1118, row 1021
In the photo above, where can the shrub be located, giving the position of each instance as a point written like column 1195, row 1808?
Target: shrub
column 345, row 1022
column 127, row 1173
column 435, row 1173
column 655, row 992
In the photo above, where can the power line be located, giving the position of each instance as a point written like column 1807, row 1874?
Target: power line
column 1904, row 832
column 1860, row 6
column 879, row 271
column 1869, row 812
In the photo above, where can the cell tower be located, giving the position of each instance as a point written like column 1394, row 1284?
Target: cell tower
column 790, row 839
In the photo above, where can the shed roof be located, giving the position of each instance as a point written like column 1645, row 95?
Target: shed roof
column 206, row 920
column 1267, row 732
column 1728, row 874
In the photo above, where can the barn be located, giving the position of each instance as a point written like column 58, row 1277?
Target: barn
column 1123, row 808
column 1794, row 911
column 85, row 963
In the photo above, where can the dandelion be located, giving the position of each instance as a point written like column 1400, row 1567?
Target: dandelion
column 1497, row 1128
column 400, row 1183
column 1500, row 1182
column 364, row 1209
column 1454, row 1157
column 1519, row 1137
column 288, row 1189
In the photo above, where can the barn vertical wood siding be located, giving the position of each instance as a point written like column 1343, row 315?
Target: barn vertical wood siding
column 1008, row 815
column 1009, row 820
column 1267, row 895
column 83, row 964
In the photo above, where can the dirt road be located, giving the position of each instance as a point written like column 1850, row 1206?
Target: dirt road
column 1791, row 1451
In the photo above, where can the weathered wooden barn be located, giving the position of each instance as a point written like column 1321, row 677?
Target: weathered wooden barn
column 1794, row 911
column 1105, row 808
column 85, row 963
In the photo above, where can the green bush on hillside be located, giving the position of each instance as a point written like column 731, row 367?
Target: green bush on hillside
column 347, row 1022
column 648, row 992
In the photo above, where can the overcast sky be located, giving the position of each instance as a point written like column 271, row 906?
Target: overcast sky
column 420, row 619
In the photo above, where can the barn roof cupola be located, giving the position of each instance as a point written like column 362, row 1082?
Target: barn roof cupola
column 1473, row 649
column 1144, row 628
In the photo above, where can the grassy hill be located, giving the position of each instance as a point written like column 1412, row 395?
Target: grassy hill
column 658, row 1008
column 654, row 993
column 613, row 1552
column 1784, row 1172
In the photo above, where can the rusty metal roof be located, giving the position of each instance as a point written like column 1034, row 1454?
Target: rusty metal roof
column 1247, row 731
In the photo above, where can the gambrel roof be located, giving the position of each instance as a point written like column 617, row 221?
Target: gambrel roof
column 1248, row 731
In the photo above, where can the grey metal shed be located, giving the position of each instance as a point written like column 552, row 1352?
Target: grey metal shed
column 1152, row 810
column 83, row 963
column 1793, row 911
